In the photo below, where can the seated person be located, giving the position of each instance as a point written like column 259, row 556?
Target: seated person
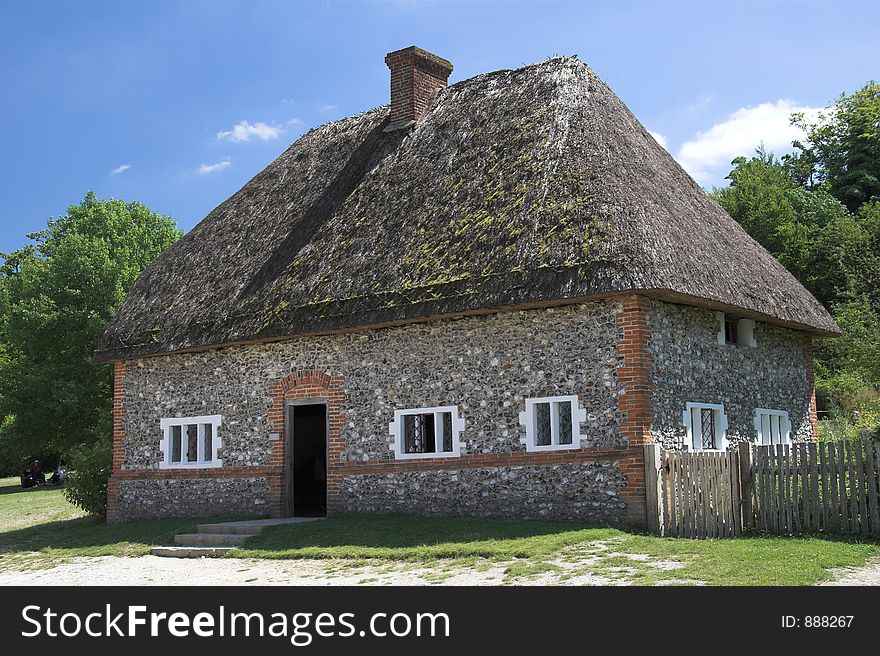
column 37, row 472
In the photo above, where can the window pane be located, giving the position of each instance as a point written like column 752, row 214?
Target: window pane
column 564, row 422
column 447, row 432
column 776, row 424
column 175, row 444
column 192, row 443
column 707, row 426
column 418, row 433
column 209, row 442
column 542, row 424
column 729, row 330
column 765, row 428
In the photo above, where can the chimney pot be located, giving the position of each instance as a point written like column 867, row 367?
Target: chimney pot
column 415, row 77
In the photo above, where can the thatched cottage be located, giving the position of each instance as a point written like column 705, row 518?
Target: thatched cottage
column 482, row 299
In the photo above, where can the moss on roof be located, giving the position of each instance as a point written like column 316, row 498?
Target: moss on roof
column 519, row 187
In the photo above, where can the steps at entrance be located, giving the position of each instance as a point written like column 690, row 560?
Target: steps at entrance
column 229, row 529
column 212, row 540
column 190, row 552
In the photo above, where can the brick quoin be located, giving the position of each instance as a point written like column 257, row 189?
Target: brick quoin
column 305, row 385
column 118, row 412
column 812, row 416
column 635, row 402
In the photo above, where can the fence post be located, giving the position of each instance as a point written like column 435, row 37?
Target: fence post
column 746, row 482
column 653, row 494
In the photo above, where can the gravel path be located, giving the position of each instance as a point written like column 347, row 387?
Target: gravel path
column 575, row 568
column 867, row 575
column 153, row 570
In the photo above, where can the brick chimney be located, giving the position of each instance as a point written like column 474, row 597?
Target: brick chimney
column 415, row 77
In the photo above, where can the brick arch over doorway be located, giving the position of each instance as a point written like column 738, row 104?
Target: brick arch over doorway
column 304, row 385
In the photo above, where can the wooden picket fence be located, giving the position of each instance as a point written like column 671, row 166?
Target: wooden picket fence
column 824, row 487
column 829, row 487
column 698, row 494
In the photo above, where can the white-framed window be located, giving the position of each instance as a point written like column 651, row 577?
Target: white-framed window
column 552, row 423
column 190, row 442
column 733, row 330
column 706, row 426
column 427, row 432
column 772, row 426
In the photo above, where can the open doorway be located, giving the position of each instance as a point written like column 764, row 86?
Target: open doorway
column 307, row 459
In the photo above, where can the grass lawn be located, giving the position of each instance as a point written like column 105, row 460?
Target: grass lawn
column 532, row 547
column 39, row 528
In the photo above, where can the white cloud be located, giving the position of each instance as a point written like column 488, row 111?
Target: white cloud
column 213, row 168
column 245, row 131
column 122, row 168
column 708, row 154
column 294, row 121
column 659, row 138
column 326, row 108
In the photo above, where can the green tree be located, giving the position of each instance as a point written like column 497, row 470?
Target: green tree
column 58, row 295
column 842, row 149
column 756, row 198
column 810, row 232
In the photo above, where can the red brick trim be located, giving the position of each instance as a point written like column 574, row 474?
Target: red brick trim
column 477, row 460
column 812, row 416
column 305, row 385
column 118, row 434
column 635, row 402
column 633, row 374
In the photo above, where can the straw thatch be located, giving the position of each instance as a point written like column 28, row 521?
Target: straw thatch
column 518, row 188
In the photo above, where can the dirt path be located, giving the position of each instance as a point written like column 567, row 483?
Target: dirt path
column 867, row 575
column 153, row 570
column 576, row 569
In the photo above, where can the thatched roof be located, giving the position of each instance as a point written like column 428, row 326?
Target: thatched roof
column 518, row 188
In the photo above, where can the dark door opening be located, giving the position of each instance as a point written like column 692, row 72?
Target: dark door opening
column 307, row 460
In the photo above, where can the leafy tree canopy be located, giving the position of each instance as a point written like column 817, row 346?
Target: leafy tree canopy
column 841, row 152
column 56, row 296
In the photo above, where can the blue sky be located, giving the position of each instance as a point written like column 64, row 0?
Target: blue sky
column 177, row 104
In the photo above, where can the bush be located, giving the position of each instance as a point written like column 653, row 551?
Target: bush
column 89, row 469
column 854, row 416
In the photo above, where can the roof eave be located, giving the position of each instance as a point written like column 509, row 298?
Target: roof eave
column 103, row 356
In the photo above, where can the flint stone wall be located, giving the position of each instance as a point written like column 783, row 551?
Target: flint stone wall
column 688, row 365
column 486, row 365
column 155, row 499
column 583, row 491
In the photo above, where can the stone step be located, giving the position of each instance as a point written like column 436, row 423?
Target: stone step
column 229, row 529
column 189, row 552
column 210, row 539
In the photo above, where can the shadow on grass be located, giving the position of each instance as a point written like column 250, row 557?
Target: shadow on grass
column 844, row 538
column 90, row 533
column 86, row 535
column 411, row 537
column 363, row 536
column 13, row 489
